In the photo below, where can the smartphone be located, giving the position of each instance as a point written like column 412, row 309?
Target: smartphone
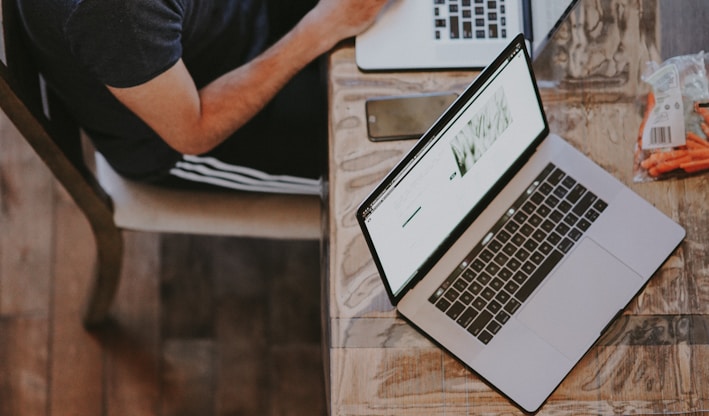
column 404, row 117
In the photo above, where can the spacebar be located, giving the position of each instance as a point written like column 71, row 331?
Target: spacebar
column 539, row 275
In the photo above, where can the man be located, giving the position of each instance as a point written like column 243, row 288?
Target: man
column 185, row 89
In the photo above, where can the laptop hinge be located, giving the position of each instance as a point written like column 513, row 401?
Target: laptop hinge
column 527, row 20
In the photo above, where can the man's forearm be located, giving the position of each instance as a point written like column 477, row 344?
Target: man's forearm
column 194, row 122
column 233, row 99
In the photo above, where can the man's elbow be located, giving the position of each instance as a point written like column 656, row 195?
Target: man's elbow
column 191, row 144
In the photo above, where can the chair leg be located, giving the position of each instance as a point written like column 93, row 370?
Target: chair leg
column 109, row 247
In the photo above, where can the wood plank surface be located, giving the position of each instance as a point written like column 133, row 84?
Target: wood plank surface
column 652, row 360
column 26, row 205
column 26, row 208
column 76, row 390
column 23, row 376
column 201, row 325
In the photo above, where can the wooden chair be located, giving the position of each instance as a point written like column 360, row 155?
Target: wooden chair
column 111, row 203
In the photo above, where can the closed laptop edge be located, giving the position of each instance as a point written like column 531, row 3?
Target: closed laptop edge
column 403, row 38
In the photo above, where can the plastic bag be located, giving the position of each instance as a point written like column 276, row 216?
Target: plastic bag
column 673, row 140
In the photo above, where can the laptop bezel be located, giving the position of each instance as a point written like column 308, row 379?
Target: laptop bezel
column 517, row 42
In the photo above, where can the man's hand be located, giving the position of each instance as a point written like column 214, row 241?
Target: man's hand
column 194, row 122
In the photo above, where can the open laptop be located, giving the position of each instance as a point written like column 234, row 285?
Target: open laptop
column 430, row 34
column 506, row 245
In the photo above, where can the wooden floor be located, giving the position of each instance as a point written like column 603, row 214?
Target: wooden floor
column 201, row 326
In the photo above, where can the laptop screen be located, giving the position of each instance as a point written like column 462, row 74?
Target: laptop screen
column 417, row 208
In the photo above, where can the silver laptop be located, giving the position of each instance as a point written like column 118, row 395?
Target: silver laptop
column 506, row 245
column 430, row 34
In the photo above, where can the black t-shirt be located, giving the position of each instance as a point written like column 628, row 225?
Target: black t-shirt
column 83, row 45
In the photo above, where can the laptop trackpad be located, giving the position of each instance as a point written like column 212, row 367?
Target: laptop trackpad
column 581, row 297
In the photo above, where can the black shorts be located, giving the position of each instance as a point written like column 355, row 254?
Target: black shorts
column 284, row 147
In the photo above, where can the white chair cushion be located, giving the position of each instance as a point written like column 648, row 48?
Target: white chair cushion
column 139, row 206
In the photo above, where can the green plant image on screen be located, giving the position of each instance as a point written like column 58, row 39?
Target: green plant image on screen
column 476, row 137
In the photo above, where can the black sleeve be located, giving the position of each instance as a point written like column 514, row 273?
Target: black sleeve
column 125, row 43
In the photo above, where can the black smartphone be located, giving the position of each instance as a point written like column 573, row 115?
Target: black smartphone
column 406, row 116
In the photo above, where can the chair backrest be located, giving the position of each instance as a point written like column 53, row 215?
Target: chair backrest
column 56, row 139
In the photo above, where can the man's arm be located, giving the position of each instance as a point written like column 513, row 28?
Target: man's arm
column 195, row 121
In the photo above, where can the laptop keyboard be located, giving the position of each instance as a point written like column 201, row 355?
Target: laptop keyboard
column 470, row 19
column 520, row 250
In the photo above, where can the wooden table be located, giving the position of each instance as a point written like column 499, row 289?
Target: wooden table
column 655, row 358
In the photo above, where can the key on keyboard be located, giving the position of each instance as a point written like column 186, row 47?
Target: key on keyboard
column 467, row 19
column 520, row 250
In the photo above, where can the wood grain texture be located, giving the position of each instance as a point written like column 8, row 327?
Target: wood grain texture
column 651, row 361
column 26, row 204
column 76, row 389
column 201, row 325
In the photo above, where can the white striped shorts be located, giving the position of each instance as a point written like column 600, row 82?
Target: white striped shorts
column 212, row 171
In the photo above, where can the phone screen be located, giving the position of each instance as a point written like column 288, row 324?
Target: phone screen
column 405, row 117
